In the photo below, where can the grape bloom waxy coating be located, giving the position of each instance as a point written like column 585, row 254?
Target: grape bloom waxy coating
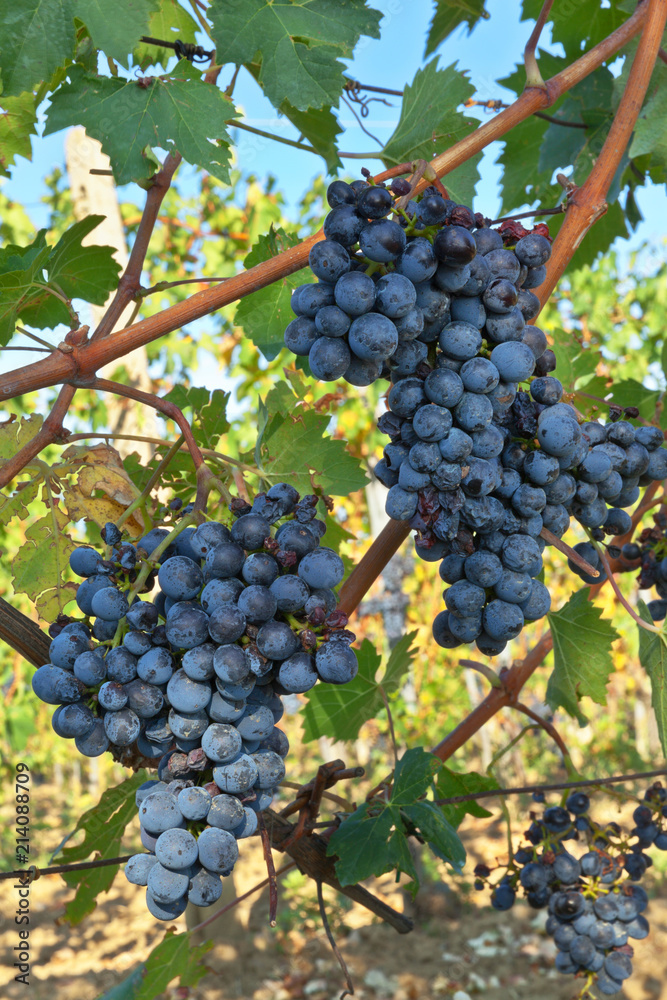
column 192, row 680
column 484, row 454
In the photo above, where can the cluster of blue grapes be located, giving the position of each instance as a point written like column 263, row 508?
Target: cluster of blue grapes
column 649, row 554
column 193, row 678
column 438, row 303
column 595, row 906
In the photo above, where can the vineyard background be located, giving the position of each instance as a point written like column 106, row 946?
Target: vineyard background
column 613, row 308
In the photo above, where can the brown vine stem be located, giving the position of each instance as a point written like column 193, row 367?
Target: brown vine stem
column 161, row 405
column 371, row 565
column 546, row 726
column 588, row 202
column 49, row 432
column 533, row 75
column 85, row 360
column 130, row 282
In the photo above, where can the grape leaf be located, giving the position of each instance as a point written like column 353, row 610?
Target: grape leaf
column 209, row 421
column 449, row 783
column 178, row 112
column 574, row 360
column 264, row 314
column 650, row 134
column 629, row 392
column 653, row 658
column 17, row 124
column 22, row 289
column 582, row 641
column 40, row 564
column 88, row 272
column 448, row 15
column 103, row 825
column 300, row 43
column 169, row 22
column 373, row 839
column 341, row 711
column 117, row 34
column 295, row 449
column 462, row 181
column 589, row 25
column 175, row 956
column 37, row 37
column 18, row 504
column 429, row 121
column 321, row 128
column 15, row 433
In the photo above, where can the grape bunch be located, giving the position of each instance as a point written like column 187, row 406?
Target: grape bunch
column 595, row 906
column 193, row 678
column 191, row 824
column 477, row 465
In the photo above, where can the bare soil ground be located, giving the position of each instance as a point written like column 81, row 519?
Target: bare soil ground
column 460, row 948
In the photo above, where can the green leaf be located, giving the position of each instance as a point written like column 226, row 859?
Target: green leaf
column 17, row 125
column 653, row 658
column 169, row 22
column 117, row 34
column 449, row 784
column 591, row 23
column 340, row 711
column 448, row 15
column 321, row 128
column 438, row 832
column 361, row 843
column 175, row 957
column 209, row 421
column 373, row 839
column 300, row 43
column 412, row 775
column 178, row 112
column 574, row 360
column 629, row 392
column 37, row 37
column 582, row 641
column 40, row 566
column 650, row 134
column 22, row 290
column 429, row 121
column 87, row 272
column 521, row 180
column 26, row 292
column 103, row 827
column 265, row 314
column 295, row 450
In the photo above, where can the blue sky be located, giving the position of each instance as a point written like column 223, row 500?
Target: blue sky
column 489, row 53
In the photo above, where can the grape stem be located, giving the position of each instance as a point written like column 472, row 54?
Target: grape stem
column 551, row 730
column 617, row 591
column 562, row 546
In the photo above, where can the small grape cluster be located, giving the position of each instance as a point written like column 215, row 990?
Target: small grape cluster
column 193, row 678
column 649, row 554
column 595, row 906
